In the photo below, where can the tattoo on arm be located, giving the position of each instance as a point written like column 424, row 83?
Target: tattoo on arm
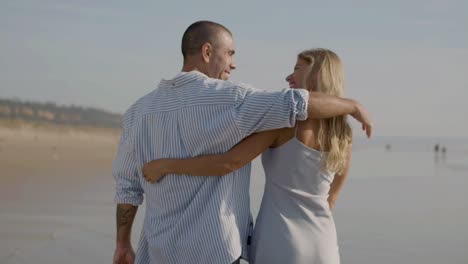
column 125, row 214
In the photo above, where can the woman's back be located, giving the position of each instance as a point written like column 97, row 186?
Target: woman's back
column 295, row 224
column 297, row 155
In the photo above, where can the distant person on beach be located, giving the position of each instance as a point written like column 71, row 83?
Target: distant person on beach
column 444, row 153
column 202, row 219
column 305, row 169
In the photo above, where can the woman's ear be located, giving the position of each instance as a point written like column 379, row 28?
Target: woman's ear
column 311, row 80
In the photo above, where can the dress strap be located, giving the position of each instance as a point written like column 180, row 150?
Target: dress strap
column 295, row 129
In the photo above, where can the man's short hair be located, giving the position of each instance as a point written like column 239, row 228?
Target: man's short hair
column 200, row 33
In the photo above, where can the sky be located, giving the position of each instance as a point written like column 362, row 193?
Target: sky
column 405, row 61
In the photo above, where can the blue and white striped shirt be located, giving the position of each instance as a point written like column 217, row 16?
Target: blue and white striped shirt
column 196, row 219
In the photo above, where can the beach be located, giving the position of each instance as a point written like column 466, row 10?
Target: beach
column 404, row 205
column 56, row 194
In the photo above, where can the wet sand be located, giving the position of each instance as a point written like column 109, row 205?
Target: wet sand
column 56, row 193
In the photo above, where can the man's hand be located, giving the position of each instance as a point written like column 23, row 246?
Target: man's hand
column 124, row 255
column 361, row 115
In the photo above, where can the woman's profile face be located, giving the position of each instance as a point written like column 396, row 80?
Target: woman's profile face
column 296, row 79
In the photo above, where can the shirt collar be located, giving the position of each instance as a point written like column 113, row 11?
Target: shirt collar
column 182, row 78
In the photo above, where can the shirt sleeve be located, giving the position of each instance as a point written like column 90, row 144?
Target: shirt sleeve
column 125, row 173
column 258, row 110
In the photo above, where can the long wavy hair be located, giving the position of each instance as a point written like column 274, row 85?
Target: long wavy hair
column 325, row 74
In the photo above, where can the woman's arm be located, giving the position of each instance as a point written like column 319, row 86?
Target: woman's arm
column 338, row 182
column 213, row 165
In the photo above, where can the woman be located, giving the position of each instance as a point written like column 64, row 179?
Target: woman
column 305, row 168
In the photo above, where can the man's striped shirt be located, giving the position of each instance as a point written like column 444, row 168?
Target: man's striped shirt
column 196, row 219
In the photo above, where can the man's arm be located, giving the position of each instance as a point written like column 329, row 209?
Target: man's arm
column 322, row 106
column 125, row 216
column 258, row 110
column 124, row 252
column 128, row 195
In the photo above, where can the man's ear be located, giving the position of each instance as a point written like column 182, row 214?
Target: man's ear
column 207, row 52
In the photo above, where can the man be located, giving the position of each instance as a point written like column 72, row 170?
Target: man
column 201, row 219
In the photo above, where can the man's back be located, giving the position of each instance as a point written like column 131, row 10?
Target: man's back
column 193, row 219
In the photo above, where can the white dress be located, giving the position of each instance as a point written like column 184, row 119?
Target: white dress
column 295, row 224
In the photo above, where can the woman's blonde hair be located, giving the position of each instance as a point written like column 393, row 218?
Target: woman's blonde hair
column 326, row 75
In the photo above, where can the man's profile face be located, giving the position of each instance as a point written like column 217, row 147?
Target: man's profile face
column 222, row 63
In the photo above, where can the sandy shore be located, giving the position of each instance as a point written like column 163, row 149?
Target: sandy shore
column 52, row 152
column 56, row 193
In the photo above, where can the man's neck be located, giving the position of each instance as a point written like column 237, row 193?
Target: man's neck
column 192, row 67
